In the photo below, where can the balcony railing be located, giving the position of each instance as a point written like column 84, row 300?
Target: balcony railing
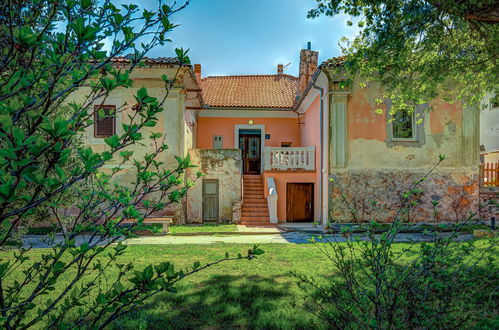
column 302, row 158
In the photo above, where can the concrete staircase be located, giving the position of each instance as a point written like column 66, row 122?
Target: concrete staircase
column 254, row 210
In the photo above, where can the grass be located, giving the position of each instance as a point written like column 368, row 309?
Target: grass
column 260, row 293
column 204, row 228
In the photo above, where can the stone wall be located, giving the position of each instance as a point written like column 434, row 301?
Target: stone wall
column 223, row 165
column 359, row 196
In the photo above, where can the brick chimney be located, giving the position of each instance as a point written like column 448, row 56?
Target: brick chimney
column 280, row 69
column 308, row 65
column 197, row 72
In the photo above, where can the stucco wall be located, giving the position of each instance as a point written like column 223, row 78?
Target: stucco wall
column 280, row 130
column 281, row 180
column 171, row 123
column 223, row 165
column 310, row 136
column 377, row 169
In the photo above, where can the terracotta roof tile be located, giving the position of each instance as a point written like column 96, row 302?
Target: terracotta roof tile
column 334, row 62
column 261, row 91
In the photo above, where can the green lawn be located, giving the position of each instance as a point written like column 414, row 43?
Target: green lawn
column 204, row 228
column 260, row 293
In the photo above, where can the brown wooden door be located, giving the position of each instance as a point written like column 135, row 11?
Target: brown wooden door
column 300, row 202
column 250, row 146
column 210, row 200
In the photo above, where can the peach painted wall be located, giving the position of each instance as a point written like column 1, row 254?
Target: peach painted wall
column 310, row 136
column 367, row 135
column 281, row 179
column 280, row 130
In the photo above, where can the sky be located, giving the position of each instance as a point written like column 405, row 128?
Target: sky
column 234, row 37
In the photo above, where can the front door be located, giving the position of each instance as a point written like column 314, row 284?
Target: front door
column 210, row 200
column 250, row 145
column 299, row 200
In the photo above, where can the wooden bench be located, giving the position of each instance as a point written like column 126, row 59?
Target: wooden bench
column 166, row 222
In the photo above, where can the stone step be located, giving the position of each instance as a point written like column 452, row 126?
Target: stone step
column 259, row 223
column 254, row 207
column 245, row 220
column 253, row 193
column 247, row 190
column 251, row 184
column 255, row 215
column 252, row 201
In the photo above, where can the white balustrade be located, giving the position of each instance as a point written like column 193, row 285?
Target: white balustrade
column 287, row 158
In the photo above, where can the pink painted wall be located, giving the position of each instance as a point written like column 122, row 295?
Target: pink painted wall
column 310, row 136
column 281, row 179
column 280, row 130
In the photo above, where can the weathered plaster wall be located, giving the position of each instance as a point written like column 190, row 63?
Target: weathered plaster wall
column 281, row 180
column 171, row 123
column 280, row 130
column 223, row 165
column 379, row 170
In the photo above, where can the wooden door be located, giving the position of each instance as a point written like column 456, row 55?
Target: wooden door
column 250, row 144
column 210, row 200
column 300, row 202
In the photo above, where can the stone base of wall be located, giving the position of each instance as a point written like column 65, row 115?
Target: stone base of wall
column 489, row 199
column 361, row 196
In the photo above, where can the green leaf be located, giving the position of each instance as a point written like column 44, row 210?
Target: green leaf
column 113, row 141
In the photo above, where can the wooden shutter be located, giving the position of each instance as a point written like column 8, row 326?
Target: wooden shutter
column 105, row 126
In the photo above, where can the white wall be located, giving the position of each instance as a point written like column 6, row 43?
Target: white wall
column 489, row 126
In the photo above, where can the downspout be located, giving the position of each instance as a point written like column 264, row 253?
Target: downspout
column 321, row 116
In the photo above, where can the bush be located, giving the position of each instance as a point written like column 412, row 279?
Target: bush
column 440, row 284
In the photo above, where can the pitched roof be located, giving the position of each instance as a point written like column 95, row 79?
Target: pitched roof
column 260, row 91
column 334, row 62
column 147, row 60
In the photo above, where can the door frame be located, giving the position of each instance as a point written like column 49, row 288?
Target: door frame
column 203, row 195
column 237, row 128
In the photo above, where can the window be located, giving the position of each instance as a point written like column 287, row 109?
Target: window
column 403, row 125
column 104, row 120
column 286, row 144
column 218, row 142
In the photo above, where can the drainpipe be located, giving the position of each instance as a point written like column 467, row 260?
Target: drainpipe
column 321, row 116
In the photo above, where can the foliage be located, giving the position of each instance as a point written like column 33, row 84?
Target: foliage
column 440, row 284
column 49, row 50
column 422, row 49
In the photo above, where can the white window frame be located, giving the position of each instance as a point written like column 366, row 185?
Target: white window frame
column 237, row 128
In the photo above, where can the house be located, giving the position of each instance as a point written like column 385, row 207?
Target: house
column 279, row 148
column 259, row 155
